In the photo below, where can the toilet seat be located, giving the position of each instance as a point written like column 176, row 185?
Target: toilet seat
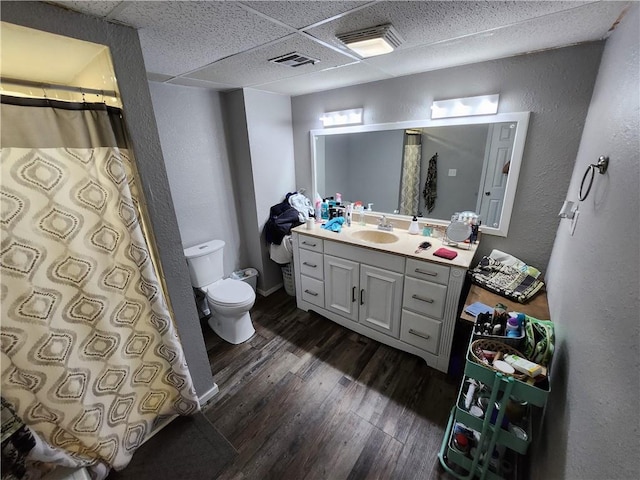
column 230, row 292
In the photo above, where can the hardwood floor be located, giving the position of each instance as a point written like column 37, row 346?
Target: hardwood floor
column 308, row 399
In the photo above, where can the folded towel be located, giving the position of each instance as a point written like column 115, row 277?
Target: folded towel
column 334, row 225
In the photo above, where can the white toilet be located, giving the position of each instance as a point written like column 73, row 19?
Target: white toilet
column 229, row 300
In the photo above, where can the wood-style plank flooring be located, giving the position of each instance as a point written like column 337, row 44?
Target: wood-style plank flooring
column 308, row 399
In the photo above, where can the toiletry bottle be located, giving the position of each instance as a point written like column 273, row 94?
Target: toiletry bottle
column 324, row 210
column 414, row 227
column 363, row 219
column 339, row 198
column 318, row 210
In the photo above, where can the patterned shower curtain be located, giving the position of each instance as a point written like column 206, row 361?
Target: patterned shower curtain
column 410, row 182
column 90, row 356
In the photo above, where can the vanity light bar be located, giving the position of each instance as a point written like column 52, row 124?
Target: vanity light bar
column 342, row 117
column 464, row 107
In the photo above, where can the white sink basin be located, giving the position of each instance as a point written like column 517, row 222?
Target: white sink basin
column 375, row 236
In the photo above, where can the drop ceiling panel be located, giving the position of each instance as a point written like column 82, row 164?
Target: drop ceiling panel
column 192, row 82
column 420, row 23
column 179, row 37
column 302, row 14
column 542, row 33
column 253, row 67
column 96, row 8
column 343, row 76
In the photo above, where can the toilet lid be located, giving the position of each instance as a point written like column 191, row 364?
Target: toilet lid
column 230, row 292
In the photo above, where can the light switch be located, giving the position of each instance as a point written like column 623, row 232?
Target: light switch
column 453, row 172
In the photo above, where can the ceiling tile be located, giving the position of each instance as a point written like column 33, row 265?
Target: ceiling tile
column 158, row 77
column 540, row 33
column 192, row 82
column 302, row 14
column 343, row 76
column 97, row 8
column 420, row 23
column 253, row 67
column 179, row 37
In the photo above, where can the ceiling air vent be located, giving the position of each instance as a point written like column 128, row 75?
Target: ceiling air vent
column 294, row 59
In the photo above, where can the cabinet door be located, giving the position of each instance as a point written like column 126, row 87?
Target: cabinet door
column 341, row 286
column 380, row 299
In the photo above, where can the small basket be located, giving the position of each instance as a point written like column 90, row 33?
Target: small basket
column 288, row 279
column 494, row 346
column 515, row 342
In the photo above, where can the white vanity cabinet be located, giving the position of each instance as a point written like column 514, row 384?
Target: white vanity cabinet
column 404, row 302
column 363, row 293
column 310, row 270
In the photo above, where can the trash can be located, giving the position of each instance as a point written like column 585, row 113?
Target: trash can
column 249, row 275
column 288, row 279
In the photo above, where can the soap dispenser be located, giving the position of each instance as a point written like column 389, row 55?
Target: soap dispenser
column 414, row 228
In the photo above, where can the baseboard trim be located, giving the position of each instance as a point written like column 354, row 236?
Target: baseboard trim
column 266, row 293
column 208, row 395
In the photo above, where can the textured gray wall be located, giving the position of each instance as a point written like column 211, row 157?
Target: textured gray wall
column 555, row 86
column 462, row 148
column 362, row 166
column 269, row 127
column 591, row 427
column 129, row 67
column 198, row 167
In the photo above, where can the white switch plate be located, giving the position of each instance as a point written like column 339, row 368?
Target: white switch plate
column 453, row 172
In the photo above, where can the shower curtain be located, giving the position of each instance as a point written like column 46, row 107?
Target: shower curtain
column 90, row 356
column 410, row 182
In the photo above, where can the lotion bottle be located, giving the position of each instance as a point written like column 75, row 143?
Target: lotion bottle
column 414, row 227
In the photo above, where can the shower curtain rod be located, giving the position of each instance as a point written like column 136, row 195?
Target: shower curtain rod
column 55, row 86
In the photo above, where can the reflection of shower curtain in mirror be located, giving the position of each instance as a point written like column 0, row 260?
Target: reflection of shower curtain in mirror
column 90, row 354
column 410, row 182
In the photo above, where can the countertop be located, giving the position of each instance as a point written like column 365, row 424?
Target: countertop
column 406, row 244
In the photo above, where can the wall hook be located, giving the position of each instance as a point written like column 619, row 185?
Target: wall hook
column 603, row 164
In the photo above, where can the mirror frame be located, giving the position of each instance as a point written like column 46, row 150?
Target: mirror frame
column 522, row 119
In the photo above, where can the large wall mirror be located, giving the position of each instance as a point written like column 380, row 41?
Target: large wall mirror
column 428, row 168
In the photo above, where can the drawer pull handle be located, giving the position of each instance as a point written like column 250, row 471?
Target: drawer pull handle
column 419, row 334
column 362, row 297
column 310, row 244
column 312, row 265
column 353, row 294
column 425, row 272
column 311, row 293
column 422, row 299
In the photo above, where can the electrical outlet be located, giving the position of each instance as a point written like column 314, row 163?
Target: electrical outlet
column 453, row 172
column 574, row 221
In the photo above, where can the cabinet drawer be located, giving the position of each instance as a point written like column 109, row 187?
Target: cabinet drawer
column 421, row 332
column 311, row 264
column 428, row 271
column 423, row 297
column 310, row 243
column 312, row 290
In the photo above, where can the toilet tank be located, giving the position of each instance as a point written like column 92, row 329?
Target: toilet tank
column 205, row 262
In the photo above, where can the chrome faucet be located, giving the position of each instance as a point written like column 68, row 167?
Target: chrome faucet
column 384, row 225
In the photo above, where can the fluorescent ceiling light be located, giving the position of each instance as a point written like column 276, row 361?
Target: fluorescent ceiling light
column 464, row 107
column 342, row 117
column 372, row 41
